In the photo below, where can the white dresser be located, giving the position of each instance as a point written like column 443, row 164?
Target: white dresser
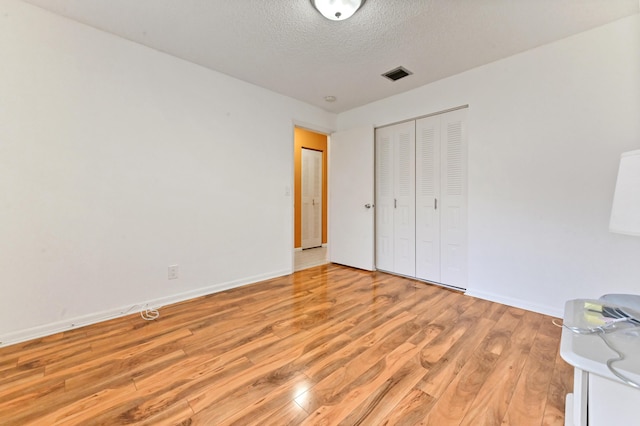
column 599, row 398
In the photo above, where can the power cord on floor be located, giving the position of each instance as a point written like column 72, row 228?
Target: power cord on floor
column 149, row 314
column 146, row 313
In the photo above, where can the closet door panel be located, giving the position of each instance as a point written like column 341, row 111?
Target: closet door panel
column 384, row 204
column 427, row 197
column 421, row 199
column 404, row 189
column 453, row 215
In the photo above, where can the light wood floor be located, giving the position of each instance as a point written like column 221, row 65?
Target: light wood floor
column 328, row 345
column 308, row 258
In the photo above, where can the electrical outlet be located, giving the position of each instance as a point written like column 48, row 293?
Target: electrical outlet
column 173, row 272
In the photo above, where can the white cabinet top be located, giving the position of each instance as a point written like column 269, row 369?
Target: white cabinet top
column 589, row 352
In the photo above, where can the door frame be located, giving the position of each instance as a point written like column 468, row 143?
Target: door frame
column 289, row 190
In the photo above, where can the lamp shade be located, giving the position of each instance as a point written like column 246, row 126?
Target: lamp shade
column 337, row 10
column 625, row 214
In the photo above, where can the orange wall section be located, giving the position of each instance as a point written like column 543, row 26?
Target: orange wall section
column 307, row 139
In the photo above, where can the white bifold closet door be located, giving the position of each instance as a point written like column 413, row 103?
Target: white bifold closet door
column 384, row 199
column 395, row 199
column 441, row 199
column 421, row 199
column 427, row 198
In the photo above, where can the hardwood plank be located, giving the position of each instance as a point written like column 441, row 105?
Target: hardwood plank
column 52, row 356
column 104, row 359
column 147, row 363
column 265, row 386
column 191, row 371
column 85, row 409
column 179, row 413
column 366, row 365
column 561, row 384
column 275, row 404
column 328, row 345
column 8, row 364
column 454, row 402
column 411, row 411
column 330, row 335
column 63, row 387
column 381, row 401
column 254, row 375
column 378, row 374
column 12, row 408
column 41, row 344
column 338, row 359
column 16, row 377
column 289, row 415
column 452, row 349
column 153, row 398
column 226, row 339
column 530, row 395
column 492, row 399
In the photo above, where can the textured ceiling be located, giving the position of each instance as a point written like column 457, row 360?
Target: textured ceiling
column 288, row 47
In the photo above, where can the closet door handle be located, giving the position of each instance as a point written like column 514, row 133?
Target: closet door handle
column 435, row 204
column 395, row 203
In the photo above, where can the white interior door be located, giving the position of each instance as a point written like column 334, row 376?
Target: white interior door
column 311, row 198
column 351, row 228
column 427, row 198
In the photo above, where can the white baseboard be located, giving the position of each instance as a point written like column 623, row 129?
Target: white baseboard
column 300, row 248
column 81, row 321
column 517, row 303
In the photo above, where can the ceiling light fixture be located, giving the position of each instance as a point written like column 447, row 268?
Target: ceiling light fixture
column 337, row 10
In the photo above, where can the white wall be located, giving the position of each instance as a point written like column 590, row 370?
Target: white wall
column 546, row 129
column 116, row 161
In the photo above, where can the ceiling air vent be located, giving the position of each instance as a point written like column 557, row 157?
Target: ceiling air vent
column 397, row 73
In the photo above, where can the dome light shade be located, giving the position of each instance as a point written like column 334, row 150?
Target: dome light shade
column 337, row 10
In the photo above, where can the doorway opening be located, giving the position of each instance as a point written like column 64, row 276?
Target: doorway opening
column 310, row 198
